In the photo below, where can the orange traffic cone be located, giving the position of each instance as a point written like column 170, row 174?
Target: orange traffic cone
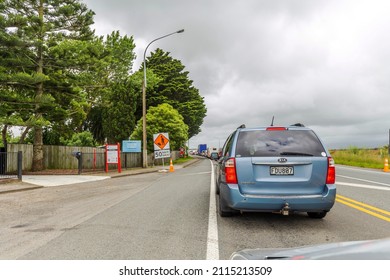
column 171, row 169
column 386, row 168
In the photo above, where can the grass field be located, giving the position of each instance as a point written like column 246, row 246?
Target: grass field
column 360, row 157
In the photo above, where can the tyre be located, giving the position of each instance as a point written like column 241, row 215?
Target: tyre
column 216, row 182
column 223, row 209
column 317, row 215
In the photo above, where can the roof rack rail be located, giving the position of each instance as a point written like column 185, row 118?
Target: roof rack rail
column 298, row 124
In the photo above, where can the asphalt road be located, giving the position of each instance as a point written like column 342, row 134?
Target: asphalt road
column 149, row 216
column 173, row 216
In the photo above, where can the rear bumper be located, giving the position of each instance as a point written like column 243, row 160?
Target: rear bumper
column 271, row 203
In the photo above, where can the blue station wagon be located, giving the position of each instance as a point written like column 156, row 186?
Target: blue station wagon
column 275, row 169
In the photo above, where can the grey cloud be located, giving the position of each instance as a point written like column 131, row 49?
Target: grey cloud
column 322, row 63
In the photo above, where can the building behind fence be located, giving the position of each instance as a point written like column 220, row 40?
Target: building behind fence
column 63, row 157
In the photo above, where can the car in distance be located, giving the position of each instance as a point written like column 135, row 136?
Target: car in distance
column 275, row 169
column 214, row 156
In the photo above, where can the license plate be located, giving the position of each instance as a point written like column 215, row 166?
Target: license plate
column 281, row 170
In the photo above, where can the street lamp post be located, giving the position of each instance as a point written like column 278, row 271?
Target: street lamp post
column 144, row 146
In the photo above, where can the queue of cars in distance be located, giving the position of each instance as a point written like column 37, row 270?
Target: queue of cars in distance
column 211, row 153
column 275, row 169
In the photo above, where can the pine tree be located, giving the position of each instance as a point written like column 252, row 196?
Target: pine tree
column 43, row 50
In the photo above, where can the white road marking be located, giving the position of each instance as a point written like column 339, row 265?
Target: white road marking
column 363, row 186
column 368, row 181
column 361, row 169
column 212, row 234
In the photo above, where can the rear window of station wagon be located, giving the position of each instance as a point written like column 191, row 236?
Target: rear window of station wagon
column 270, row 143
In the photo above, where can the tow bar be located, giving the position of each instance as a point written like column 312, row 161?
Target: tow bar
column 285, row 210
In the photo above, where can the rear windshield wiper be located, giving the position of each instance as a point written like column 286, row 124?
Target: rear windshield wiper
column 295, row 154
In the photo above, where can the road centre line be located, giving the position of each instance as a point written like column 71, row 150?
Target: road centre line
column 212, row 233
column 362, row 207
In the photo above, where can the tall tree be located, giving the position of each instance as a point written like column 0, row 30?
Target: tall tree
column 163, row 118
column 112, row 116
column 43, row 46
column 176, row 89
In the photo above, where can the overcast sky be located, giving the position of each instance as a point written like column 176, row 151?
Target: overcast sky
column 322, row 63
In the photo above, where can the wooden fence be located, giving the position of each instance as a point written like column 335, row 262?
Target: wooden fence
column 62, row 157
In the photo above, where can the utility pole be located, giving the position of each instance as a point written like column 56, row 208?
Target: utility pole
column 144, row 144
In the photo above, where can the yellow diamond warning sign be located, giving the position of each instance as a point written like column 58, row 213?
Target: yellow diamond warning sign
column 161, row 141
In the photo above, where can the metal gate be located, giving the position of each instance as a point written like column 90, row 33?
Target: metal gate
column 10, row 164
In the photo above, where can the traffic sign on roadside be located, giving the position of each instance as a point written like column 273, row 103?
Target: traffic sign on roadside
column 161, row 145
column 161, row 141
column 162, row 154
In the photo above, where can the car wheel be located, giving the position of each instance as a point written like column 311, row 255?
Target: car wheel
column 216, row 188
column 317, row 215
column 223, row 209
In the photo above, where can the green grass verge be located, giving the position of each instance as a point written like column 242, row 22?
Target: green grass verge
column 182, row 160
column 368, row 158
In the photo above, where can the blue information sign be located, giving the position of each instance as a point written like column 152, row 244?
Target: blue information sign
column 131, row 146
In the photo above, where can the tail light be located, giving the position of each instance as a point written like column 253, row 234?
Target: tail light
column 331, row 176
column 230, row 171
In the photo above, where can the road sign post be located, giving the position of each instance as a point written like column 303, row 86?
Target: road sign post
column 161, row 146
